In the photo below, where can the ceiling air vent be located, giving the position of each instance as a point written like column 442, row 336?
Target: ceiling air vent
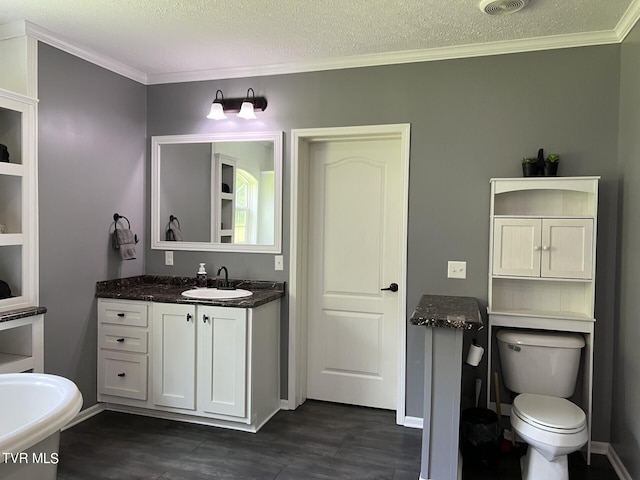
column 502, row 7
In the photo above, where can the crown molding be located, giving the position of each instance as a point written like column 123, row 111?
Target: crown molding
column 115, row 66
column 394, row 58
column 628, row 20
column 624, row 26
column 13, row 30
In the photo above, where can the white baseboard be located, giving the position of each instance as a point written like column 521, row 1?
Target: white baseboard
column 600, row 448
column 617, row 464
column 85, row 414
column 413, row 422
column 284, row 404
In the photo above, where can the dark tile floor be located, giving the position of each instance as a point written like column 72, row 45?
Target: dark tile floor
column 317, row 441
column 508, row 468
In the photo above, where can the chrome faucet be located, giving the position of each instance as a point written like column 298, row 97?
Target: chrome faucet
column 224, row 285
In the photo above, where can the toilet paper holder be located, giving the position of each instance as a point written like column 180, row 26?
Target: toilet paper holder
column 474, row 356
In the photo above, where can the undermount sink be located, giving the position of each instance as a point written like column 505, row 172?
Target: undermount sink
column 215, row 294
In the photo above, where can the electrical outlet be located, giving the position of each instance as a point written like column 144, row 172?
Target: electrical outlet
column 279, row 262
column 456, row 269
column 168, row 257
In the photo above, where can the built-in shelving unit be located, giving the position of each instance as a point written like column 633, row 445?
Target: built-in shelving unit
column 542, row 261
column 18, row 246
column 21, row 338
column 223, row 201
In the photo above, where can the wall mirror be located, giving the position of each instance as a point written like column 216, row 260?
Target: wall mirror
column 217, row 192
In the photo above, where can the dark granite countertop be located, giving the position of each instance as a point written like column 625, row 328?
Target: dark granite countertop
column 168, row 289
column 21, row 313
column 447, row 312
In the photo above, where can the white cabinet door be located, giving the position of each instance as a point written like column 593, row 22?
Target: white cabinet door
column 567, row 246
column 516, row 247
column 222, row 360
column 174, row 355
column 548, row 248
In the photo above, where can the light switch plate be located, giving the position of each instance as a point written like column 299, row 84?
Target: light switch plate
column 168, row 257
column 456, row 269
column 279, row 262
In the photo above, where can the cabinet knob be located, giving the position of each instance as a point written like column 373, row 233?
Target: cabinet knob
column 545, row 247
column 189, row 317
column 536, row 248
column 121, row 374
column 205, row 319
column 120, row 340
column 121, row 314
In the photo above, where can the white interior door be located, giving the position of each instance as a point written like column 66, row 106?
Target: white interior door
column 355, row 236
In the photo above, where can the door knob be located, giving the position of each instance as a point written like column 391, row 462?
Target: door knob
column 393, row 287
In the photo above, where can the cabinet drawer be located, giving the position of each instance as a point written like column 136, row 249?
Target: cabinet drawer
column 123, row 313
column 123, row 375
column 124, row 339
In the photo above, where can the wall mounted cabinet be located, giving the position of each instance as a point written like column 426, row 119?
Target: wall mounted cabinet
column 542, row 261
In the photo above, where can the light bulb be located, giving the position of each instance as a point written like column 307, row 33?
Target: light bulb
column 246, row 111
column 217, row 112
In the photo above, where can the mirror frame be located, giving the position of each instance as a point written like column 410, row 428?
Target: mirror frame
column 157, row 241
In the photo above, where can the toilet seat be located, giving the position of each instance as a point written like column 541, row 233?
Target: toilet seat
column 550, row 414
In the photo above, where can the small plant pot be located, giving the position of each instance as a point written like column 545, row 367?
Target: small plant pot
column 529, row 170
column 550, row 169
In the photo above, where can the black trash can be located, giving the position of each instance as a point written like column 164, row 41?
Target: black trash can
column 481, row 435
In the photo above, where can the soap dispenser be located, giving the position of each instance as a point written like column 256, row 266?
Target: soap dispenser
column 201, row 277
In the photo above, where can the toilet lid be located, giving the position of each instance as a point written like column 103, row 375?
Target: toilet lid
column 549, row 413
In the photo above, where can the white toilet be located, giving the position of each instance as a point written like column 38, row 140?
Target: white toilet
column 542, row 367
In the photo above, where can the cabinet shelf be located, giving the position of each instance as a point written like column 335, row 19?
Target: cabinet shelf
column 539, row 216
column 544, row 314
column 10, row 363
column 8, row 239
column 539, row 279
column 14, row 169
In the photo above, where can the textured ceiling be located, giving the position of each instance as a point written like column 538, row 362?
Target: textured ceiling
column 172, row 36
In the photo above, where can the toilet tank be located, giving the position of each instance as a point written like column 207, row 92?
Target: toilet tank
column 540, row 362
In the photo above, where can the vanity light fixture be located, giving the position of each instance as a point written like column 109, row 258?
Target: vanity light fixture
column 217, row 108
column 246, row 110
column 246, row 107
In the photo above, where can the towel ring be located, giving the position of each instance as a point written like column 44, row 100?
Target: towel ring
column 117, row 217
column 172, row 219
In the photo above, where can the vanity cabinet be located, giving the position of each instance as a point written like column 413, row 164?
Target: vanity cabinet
column 174, row 359
column 199, row 358
column 542, row 261
column 123, row 354
column 210, row 364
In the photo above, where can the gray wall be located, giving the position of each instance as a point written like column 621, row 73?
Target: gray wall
column 91, row 165
column 625, row 413
column 471, row 119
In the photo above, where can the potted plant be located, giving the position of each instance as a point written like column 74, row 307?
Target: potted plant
column 551, row 165
column 529, row 167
